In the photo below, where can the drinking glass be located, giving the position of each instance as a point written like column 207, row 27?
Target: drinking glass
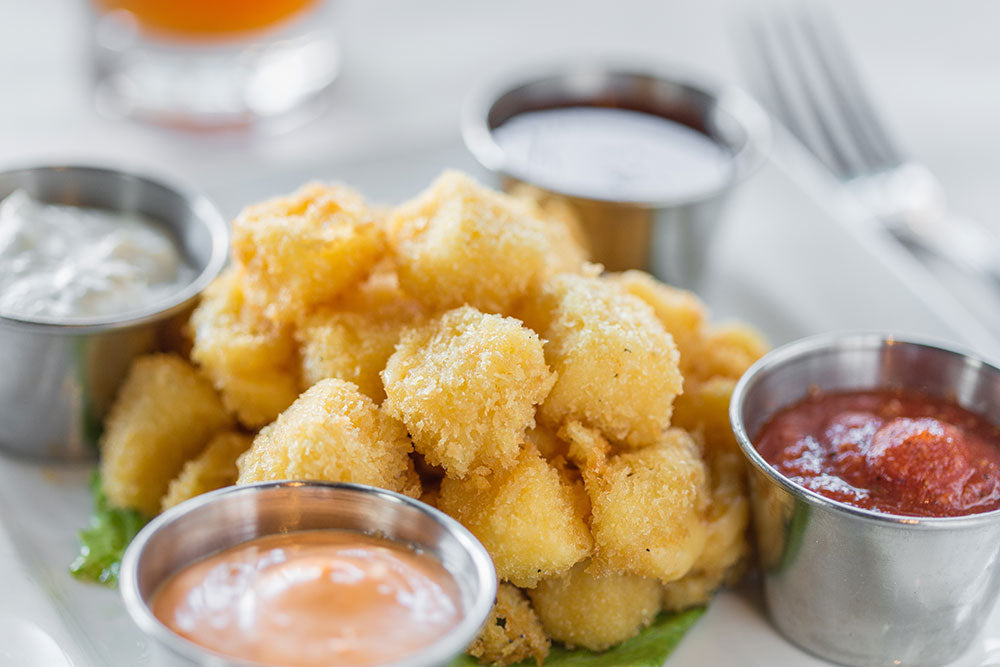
column 207, row 64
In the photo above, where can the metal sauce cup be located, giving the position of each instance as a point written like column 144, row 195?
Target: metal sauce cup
column 670, row 237
column 59, row 378
column 856, row 586
column 225, row 518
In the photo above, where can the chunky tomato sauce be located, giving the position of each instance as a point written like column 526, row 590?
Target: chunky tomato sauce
column 899, row 452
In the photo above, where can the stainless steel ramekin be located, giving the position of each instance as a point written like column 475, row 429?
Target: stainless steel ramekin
column 222, row 519
column 670, row 237
column 856, row 586
column 57, row 378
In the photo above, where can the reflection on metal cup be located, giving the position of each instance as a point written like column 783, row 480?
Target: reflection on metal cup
column 856, row 586
column 668, row 235
column 59, row 378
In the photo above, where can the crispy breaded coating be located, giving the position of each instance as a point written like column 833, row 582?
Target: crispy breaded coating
column 592, row 611
column 529, row 518
column 466, row 385
column 727, row 517
column 680, row 312
column 213, row 469
column 251, row 361
column 165, row 413
column 461, row 243
column 567, row 240
column 512, row 632
column 691, row 590
column 547, row 441
column 727, row 350
column 303, row 250
column 616, row 365
column 353, row 339
column 333, row 433
column 704, row 408
column 648, row 507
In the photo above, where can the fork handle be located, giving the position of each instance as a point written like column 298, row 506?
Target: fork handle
column 961, row 242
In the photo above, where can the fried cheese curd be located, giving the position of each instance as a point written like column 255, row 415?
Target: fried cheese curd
column 461, row 243
column 303, row 250
column 458, row 348
column 333, row 433
column 213, row 469
column 165, row 413
column 512, row 632
column 466, row 386
column 353, row 339
column 616, row 366
column 568, row 241
column 704, row 410
column 648, row 506
column 250, row 360
column 595, row 611
column 529, row 517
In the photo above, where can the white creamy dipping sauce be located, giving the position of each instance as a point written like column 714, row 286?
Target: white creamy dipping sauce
column 71, row 262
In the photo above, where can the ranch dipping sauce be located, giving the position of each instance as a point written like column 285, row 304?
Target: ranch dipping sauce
column 75, row 263
column 612, row 154
column 318, row 597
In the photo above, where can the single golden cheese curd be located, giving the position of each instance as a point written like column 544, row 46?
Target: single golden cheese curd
column 727, row 350
column 594, row 611
column 333, row 433
column 321, row 597
column 461, row 243
column 250, row 360
column 617, row 368
column 165, row 413
column 353, row 339
column 680, row 312
column 704, row 409
column 213, row 469
column 303, row 250
column 567, row 239
column 512, row 632
column 530, row 519
column 648, row 509
column 466, row 386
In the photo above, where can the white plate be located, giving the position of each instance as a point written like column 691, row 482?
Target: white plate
column 794, row 258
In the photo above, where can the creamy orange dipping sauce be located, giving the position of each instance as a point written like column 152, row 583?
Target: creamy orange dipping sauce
column 312, row 598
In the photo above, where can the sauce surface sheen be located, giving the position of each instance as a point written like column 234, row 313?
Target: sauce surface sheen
column 73, row 262
column 312, row 598
column 612, row 154
column 893, row 451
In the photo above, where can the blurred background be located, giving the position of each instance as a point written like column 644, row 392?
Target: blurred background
column 406, row 67
column 390, row 123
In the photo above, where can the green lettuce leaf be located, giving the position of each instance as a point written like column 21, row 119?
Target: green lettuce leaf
column 650, row 648
column 104, row 540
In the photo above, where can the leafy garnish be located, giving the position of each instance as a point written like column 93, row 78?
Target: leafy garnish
column 650, row 648
column 104, row 540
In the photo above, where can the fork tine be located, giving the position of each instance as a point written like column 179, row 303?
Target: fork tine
column 836, row 134
column 779, row 89
column 850, row 94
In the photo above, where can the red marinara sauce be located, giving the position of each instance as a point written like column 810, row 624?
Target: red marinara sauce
column 894, row 451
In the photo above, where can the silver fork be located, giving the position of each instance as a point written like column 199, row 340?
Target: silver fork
column 800, row 68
